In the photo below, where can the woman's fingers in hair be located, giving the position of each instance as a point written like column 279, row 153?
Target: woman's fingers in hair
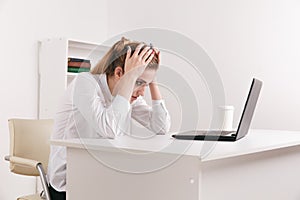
column 138, row 49
column 157, row 52
column 128, row 53
column 159, row 57
column 149, row 58
column 146, row 53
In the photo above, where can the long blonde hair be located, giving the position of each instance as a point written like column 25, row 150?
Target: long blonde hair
column 116, row 57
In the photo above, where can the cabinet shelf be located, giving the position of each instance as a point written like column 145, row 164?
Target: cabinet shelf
column 53, row 68
column 87, row 46
column 71, row 74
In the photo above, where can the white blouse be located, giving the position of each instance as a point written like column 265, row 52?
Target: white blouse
column 88, row 110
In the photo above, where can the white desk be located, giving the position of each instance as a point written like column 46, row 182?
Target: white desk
column 263, row 165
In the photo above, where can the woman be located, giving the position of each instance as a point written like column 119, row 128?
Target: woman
column 101, row 103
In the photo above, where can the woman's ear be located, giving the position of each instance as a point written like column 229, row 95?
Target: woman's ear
column 118, row 73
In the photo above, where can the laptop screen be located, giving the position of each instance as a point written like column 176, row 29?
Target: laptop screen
column 249, row 108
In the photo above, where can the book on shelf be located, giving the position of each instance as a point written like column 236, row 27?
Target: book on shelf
column 71, row 59
column 79, row 64
column 77, row 69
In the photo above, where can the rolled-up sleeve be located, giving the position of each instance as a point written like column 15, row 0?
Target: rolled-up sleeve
column 107, row 122
column 155, row 118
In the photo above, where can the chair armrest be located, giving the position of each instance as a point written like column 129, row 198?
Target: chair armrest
column 34, row 164
column 6, row 158
column 22, row 161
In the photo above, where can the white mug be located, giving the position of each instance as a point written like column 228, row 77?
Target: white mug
column 224, row 118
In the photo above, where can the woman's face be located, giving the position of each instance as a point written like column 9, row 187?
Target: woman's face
column 141, row 83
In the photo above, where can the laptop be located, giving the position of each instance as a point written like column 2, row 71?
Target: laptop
column 231, row 136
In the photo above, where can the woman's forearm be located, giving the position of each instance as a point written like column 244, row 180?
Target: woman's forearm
column 125, row 86
column 154, row 90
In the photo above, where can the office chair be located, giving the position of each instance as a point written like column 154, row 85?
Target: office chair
column 29, row 150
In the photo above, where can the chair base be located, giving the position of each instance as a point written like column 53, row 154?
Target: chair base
column 31, row 197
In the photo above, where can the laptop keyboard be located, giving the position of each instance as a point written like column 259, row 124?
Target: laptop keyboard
column 208, row 132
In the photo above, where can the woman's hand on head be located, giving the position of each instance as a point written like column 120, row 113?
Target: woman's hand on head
column 157, row 52
column 138, row 61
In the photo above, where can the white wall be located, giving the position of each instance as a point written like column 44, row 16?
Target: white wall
column 23, row 23
column 244, row 38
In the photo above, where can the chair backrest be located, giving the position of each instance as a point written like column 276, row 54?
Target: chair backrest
column 30, row 139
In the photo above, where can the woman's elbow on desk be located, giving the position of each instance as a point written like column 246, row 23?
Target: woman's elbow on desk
column 162, row 128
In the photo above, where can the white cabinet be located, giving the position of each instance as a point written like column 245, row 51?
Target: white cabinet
column 53, row 69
